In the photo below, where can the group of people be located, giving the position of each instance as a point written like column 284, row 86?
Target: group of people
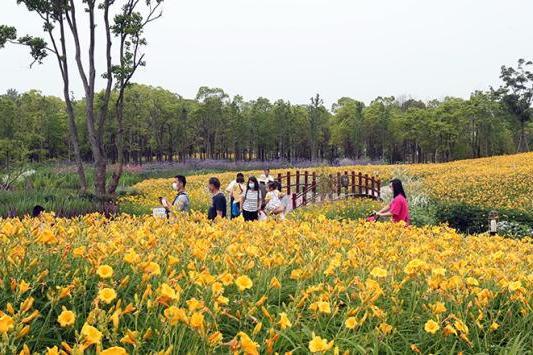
column 256, row 199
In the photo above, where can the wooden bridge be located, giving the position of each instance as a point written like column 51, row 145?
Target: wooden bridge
column 304, row 187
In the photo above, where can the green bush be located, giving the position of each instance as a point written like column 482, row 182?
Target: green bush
column 423, row 215
column 474, row 219
column 353, row 212
column 514, row 229
column 64, row 203
column 133, row 209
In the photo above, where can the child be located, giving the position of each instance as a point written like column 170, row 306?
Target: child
column 273, row 200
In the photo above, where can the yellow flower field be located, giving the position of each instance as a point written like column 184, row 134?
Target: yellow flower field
column 496, row 182
column 142, row 285
column 319, row 282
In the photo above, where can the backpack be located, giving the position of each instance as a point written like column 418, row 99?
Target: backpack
column 182, row 193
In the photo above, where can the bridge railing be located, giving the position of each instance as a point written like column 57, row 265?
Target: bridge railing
column 303, row 186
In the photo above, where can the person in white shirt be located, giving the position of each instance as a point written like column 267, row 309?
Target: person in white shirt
column 264, row 179
column 251, row 200
column 231, row 188
column 236, row 189
column 231, row 185
column 274, row 205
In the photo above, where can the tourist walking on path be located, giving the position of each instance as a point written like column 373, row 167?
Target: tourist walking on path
column 251, row 200
column 235, row 189
column 264, row 179
column 219, row 205
column 398, row 209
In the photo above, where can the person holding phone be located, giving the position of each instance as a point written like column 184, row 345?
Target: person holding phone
column 181, row 202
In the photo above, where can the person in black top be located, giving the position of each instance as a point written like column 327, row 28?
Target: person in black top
column 218, row 208
column 37, row 211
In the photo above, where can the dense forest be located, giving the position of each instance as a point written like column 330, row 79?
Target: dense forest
column 163, row 126
column 128, row 123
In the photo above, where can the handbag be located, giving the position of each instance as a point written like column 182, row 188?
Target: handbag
column 261, row 216
column 372, row 218
column 235, row 209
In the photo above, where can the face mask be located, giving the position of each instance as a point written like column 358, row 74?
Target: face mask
column 251, row 185
column 175, row 185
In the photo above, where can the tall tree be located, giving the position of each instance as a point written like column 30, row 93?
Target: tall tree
column 129, row 29
column 347, row 126
column 284, row 128
column 317, row 120
column 376, row 121
column 53, row 16
column 516, row 94
column 489, row 134
column 209, row 117
column 61, row 23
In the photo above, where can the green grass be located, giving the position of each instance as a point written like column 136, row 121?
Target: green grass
column 60, row 192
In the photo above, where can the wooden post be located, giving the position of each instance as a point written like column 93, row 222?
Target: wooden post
column 353, row 183
column 313, row 185
column 373, row 182
column 366, row 184
column 306, row 180
column 331, row 188
column 338, row 184
column 347, row 184
column 288, row 182
column 297, row 181
column 379, row 188
column 360, row 176
column 294, row 201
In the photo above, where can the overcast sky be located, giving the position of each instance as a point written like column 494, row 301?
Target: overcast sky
column 292, row 49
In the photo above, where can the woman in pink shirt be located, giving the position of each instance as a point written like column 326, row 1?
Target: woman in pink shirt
column 398, row 209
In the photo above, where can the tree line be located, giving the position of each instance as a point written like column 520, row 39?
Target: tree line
column 159, row 125
column 109, row 24
column 127, row 123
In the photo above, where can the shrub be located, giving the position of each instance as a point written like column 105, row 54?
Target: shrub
column 514, row 229
column 474, row 219
column 63, row 202
column 423, row 215
column 350, row 209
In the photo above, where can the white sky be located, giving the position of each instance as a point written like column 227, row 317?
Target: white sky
column 292, row 49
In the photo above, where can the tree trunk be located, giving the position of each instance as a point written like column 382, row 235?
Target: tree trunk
column 88, row 85
column 522, row 140
column 120, row 145
column 73, row 129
